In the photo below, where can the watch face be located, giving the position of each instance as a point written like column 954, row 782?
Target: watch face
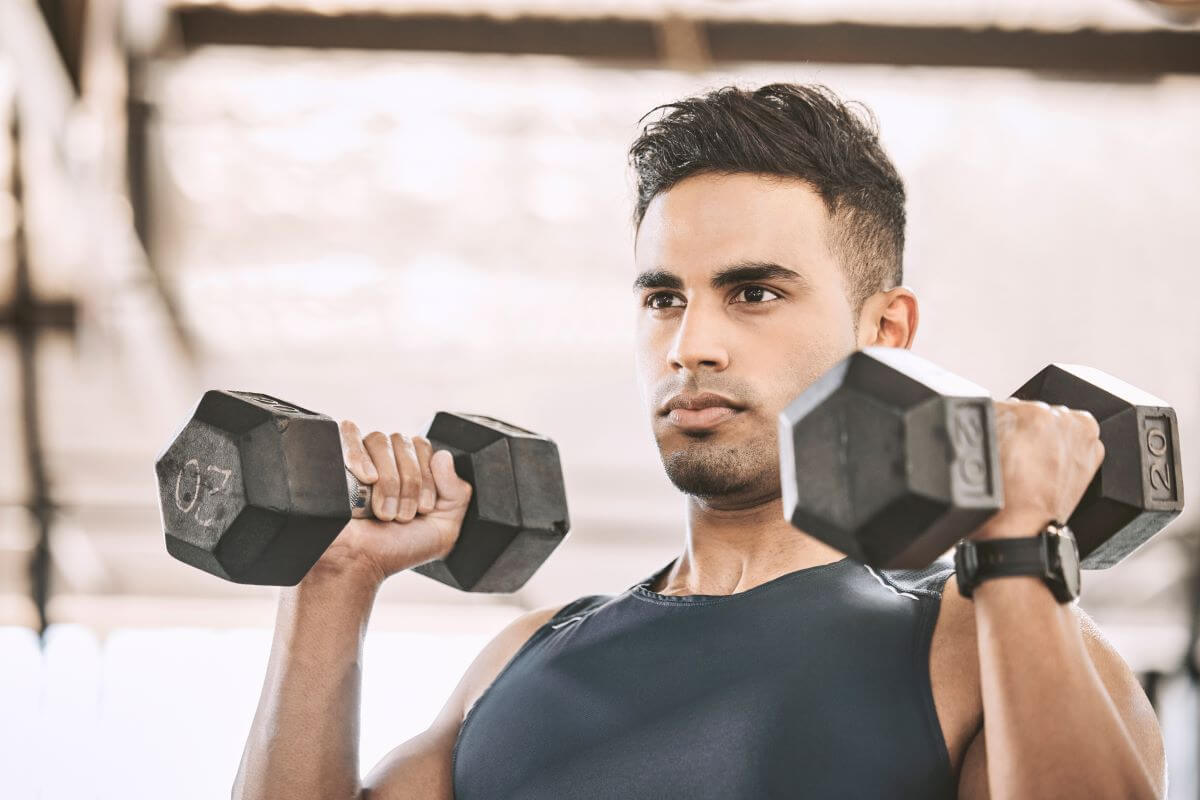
column 1068, row 559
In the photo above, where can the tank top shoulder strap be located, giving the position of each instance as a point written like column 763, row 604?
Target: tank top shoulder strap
column 928, row 581
column 578, row 608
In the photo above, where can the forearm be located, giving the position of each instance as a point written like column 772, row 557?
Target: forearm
column 1051, row 728
column 304, row 739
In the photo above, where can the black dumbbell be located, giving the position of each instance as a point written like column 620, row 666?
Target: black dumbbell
column 892, row 460
column 1138, row 488
column 254, row 489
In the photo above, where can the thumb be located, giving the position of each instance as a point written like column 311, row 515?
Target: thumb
column 450, row 487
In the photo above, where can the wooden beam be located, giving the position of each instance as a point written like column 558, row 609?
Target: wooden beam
column 1125, row 54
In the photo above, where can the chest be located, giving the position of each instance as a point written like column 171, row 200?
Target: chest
column 664, row 708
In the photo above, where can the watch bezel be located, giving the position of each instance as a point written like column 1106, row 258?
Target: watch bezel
column 1062, row 562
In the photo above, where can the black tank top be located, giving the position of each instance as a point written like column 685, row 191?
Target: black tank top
column 812, row 685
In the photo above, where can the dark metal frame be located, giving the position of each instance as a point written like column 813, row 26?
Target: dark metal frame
column 1125, row 54
column 27, row 316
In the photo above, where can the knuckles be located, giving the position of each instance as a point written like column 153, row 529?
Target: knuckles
column 376, row 437
column 1089, row 422
column 1042, row 418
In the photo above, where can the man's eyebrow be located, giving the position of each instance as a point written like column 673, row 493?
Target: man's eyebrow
column 657, row 279
column 729, row 276
column 756, row 271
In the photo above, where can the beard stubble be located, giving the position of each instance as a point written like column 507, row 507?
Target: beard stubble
column 714, row 464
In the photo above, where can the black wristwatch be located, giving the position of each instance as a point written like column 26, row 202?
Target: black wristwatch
column 1052, row 555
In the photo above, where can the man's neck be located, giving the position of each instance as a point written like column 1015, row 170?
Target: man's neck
column 732, row 550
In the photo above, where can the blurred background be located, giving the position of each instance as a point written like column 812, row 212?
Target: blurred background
column 381, row 209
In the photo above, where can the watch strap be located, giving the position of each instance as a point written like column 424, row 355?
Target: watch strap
column 1040, row 556
column 1000, row 557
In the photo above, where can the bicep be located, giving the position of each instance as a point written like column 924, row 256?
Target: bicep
column 1130, row 701
column 415, row 770
column 420, row 768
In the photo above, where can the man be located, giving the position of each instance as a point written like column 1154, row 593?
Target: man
column 760, row 662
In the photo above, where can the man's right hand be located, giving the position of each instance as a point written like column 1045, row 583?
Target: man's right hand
column 418, row 500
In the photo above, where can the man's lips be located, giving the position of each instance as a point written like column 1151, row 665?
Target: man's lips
column 700, row 419
column 695, row 402
column 699, row 411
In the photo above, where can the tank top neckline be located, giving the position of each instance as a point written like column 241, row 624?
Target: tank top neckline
column 642, row 589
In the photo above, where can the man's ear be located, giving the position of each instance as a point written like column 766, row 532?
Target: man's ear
column 889, row 319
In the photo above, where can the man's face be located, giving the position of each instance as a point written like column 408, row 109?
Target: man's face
column 718, row 311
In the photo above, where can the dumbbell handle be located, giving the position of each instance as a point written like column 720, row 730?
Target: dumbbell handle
column 360, row 497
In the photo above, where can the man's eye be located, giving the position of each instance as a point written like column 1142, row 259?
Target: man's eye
column 661, row 300
column 754, row 295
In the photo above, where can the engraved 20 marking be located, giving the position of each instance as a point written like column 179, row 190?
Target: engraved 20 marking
column 967, row 433
column 1157, row 438
column 194, row 495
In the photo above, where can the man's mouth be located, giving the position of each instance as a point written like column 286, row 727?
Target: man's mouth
column 700, row 419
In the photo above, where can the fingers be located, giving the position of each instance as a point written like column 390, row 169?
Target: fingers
column 1089, row 423
column 406, row 475
column 1038, row 408
column 428, row 487
column 1086, row 428
column 385, row 497
column 355, row 455
column 409, row 468
column 1084, row 419
column 451, row 488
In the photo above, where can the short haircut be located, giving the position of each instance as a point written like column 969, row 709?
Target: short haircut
column 794, row 131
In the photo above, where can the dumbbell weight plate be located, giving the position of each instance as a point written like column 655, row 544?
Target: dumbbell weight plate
column 889, row 458
column 1139, row 487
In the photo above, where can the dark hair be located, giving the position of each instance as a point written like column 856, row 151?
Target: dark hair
column 794, row 131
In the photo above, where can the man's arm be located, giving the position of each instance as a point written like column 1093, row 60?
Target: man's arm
column 1063, row 714
column 1052, row 726
column 304, row 739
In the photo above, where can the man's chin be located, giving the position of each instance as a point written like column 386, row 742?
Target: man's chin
column 703, row 480
column 718, row 469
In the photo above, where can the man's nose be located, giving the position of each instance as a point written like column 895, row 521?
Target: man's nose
column 698, row 343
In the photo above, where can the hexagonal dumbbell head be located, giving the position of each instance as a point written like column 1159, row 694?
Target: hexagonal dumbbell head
column 518, row 511
column 1139, row 487
column 252, row 489
column 889, row 458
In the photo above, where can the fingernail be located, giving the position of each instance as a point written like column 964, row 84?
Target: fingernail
column 427, row 500
column 389, row 508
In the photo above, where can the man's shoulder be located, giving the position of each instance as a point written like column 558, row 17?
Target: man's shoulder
column 506, row 644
